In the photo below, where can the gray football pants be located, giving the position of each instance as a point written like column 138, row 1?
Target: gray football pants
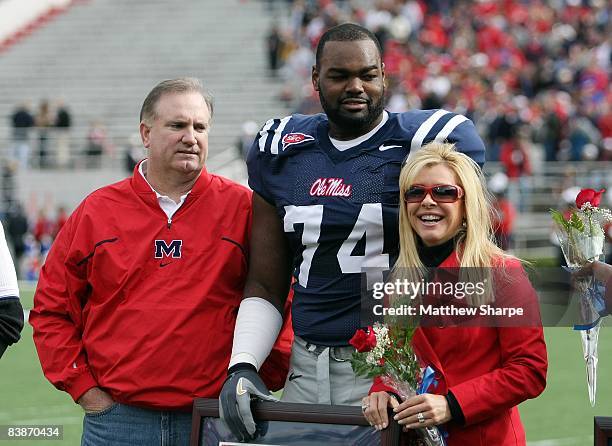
column 323, row 375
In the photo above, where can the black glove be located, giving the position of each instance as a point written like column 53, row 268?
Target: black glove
column 242, row 384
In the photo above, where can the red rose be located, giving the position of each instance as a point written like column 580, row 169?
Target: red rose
column 362, row 341
column 359, row 341
column 588, row 196
column 371, row 338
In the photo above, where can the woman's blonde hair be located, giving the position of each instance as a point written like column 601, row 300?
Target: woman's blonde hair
column 475, row 246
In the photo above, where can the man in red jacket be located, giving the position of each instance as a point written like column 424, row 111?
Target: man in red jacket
column 137, row 301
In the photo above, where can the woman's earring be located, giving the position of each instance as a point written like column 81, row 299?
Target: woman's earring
column 464, row 224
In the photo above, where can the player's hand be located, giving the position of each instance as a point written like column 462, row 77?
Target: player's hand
column 374, row 407
column 95, row 400
column 235, row 401
column 600, row 271
column 433, row 410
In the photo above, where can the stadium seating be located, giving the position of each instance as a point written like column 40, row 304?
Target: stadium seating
column 102, row 57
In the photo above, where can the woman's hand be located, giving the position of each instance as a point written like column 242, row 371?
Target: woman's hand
column 375, row 406
column 433, row 410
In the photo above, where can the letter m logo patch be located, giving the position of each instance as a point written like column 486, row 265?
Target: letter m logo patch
column 163, row 249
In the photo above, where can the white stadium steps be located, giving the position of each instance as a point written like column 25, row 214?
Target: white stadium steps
column 101, row 57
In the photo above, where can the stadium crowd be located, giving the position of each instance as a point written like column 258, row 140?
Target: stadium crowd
column 30, row 238
column 45, row 139
column 533, row 75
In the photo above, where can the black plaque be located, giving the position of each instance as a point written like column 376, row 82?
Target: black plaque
column 290, row 424
column 603, row 431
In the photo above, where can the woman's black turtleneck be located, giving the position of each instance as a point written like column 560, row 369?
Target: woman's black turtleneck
column 433, row 256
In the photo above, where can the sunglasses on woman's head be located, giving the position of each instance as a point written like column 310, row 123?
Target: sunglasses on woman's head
column 440, row 193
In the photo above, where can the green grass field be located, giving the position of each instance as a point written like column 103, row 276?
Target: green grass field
column 561, row 413
column 26, row 397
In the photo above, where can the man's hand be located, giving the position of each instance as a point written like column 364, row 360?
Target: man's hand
column 600, row 271
column 235, row 401
column 95, row 400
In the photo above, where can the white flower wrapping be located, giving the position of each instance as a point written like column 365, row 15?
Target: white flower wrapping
column 579, row 248
column 589, row 247
column 430, row 436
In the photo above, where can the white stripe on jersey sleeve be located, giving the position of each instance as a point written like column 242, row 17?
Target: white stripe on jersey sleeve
column 449, row 127
column 263, row 133
column 277, row 135
column 8, row 277
column 423, row 130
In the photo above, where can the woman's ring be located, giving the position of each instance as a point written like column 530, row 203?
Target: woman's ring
column 421, row 418
column 364, row 407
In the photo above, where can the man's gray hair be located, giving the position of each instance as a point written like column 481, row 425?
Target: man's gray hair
column 180, row 85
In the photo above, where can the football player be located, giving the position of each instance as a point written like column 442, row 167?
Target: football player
column 11, row 311
column 325, row 209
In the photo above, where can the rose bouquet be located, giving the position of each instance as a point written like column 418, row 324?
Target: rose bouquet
column 582, row 238
column 386, row 351
column 581, row 235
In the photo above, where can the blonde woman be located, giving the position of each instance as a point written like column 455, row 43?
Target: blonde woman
column 484, row 371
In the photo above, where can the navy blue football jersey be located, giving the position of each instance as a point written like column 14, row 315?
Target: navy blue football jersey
column 340, row 208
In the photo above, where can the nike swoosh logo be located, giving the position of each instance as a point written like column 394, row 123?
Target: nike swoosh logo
column 383, row 147
column 239, row 389
column 294, row 376
column 162, row 264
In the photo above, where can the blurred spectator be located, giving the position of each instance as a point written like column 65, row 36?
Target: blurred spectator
column 604, row 122
column 583, row 134
column 63, row 122
column 16, row 228
column 44, row 120
column 551, row 135
column 97, row 144
column 604, row 125
column 32, row 259
column 504, row 213
column 310, row 103
column 501, row 130
column 134, row 152
column 273, row 48
column 43, row 227
column 31, row 240
column 60, row 220
column 22, row 121
column 515, row 157
column 247, row 136
column 7, row 183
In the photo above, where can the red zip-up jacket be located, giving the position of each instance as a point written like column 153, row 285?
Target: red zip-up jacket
column 489, row 370
column 143, row 306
